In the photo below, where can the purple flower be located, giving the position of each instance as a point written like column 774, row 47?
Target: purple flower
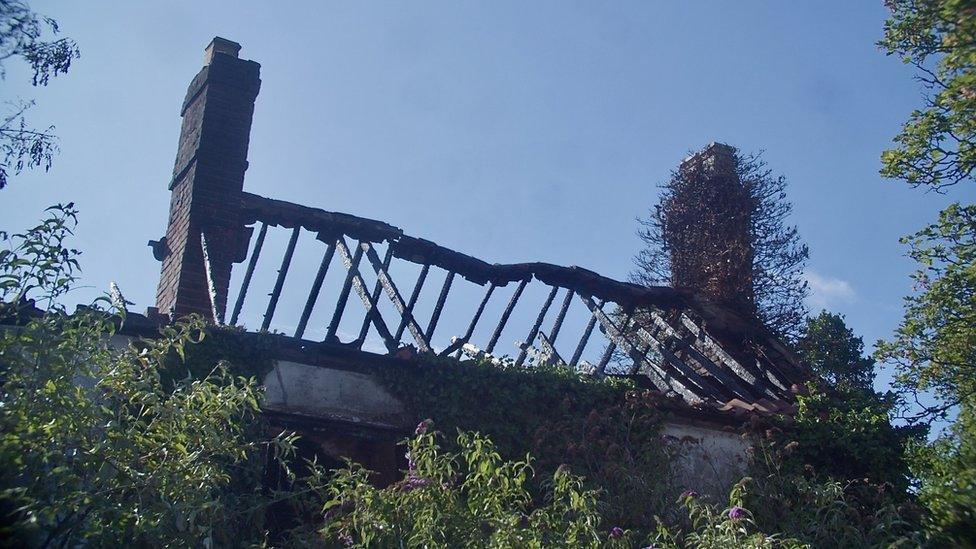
column 346, row 540
column 616, row 532
column 413, row 482
column 689, row 494
column 422, row 427
column 737, row 513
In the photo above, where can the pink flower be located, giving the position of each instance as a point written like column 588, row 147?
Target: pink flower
column 422, row 427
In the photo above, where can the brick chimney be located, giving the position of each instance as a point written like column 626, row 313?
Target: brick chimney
column 707, row 232
column 205, row 235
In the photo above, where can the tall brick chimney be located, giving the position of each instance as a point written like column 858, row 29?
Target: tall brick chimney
column 707, row 229
column 205, row 235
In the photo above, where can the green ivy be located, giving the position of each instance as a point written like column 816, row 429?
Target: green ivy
column 606, row 430
column 248, row 355
column 504, row 402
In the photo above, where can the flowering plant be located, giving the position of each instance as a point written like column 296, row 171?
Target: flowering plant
column 713, row 526
column 471, row 498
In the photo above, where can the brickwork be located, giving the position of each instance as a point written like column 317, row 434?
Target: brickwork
column 208, row 179
column 709, row 221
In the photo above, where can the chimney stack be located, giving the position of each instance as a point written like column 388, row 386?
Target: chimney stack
column 707, row 229
column 205, row 235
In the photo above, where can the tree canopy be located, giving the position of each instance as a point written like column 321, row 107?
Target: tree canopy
column 937, row 145
column 32, row 38
column 934, row 346
column 835, row 353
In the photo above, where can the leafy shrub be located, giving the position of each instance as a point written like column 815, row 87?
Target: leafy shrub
column 711, row 526
column 620, row 451
column 105, row 443
column 841, row 435
column 607, row 431
column 468, row 498
column 475, row 498
column 828, row 513
column 946, row 473
column 834, row 472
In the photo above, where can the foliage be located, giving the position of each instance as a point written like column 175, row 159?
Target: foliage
column 610, row 434
column 844, row 430
column 934, row 351
column 471, row 498
column 822, row 512
column 247, row 355
column 835, row 473
column 22, row 35
column 114, row 457
column 835, row 354
column 714, row 527
column 22, row 146
column 934, row 347
column 511, row 401
column 36, row 262
column 937, row 145
column 840, row 436
column 946, row 473
column 824, row 493
column 621, row 451
column 95, row 447
column 702, row 235
column 604, row 430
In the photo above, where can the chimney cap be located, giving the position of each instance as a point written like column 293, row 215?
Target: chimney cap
column 220, row 45
column 716, row 158
column 712, row 150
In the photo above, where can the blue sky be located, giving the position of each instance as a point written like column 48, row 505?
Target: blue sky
column 511, row 131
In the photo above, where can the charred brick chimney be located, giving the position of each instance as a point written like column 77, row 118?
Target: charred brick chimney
column 708, row 232
column 205, row 235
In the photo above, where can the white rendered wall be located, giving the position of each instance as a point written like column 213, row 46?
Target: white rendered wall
column 711, row 460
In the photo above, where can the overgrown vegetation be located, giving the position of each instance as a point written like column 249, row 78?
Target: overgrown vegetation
column 108, row 444
column 607, row 431
column 934, row 347
column 844, row 428
column 723, row 231
column 161, row 443
column 472, row 498
column 934, row 352
column 97, row 447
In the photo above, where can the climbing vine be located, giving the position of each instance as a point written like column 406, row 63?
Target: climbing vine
column 248, row 355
